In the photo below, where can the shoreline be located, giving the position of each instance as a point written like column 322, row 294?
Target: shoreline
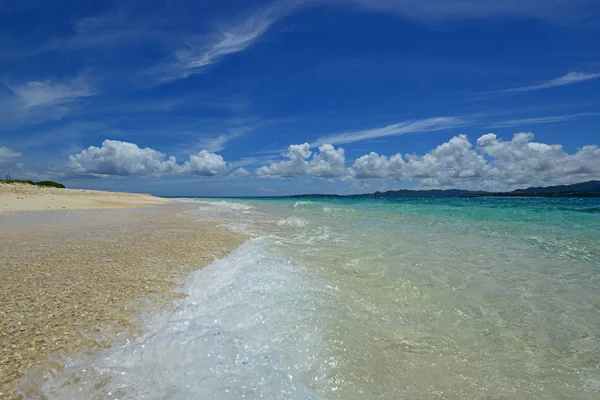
column 75, row 280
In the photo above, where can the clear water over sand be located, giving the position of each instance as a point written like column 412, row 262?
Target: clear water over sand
column 375, row 299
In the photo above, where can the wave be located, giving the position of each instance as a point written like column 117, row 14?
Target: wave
column 589, row 210
column 586, row 210
column 247, row 329
column 294, row 222
column 305, row 205
column 233, row 205
column 337, row 210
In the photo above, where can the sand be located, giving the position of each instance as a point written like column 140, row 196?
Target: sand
column 23, row 197
column 75, row 280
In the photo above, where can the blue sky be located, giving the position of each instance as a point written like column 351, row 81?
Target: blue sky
column 301, row 96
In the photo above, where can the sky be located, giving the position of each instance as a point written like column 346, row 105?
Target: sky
column 262, row 98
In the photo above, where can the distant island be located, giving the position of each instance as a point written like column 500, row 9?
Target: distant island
column 584, row 189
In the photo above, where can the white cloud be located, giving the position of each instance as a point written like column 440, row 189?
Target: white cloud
column 122, row 159
column 131, row 25
column 492, row 164
column 116, row 158
column 40, row 100
column 240, row 172
column 8, row 155
column 432, row 10
column 327, row 163
column 236, row 36
column 401, row 128
column 47, row 93
column 540, row 120
column 567, row 79
column 373, row 165
column 448, row 163
column 295, row 166
column 218, row 143
column 205, row 164
column 255, row 161
column 523, row 162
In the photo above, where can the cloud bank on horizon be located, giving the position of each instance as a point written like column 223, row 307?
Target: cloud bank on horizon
column 215, row 92
column 492, row 164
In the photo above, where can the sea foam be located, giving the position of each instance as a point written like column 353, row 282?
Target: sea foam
column 246, row 329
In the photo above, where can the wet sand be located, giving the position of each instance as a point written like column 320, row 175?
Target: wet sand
column 75, row 280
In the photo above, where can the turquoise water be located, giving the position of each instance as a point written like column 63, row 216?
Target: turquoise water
column 375, row 299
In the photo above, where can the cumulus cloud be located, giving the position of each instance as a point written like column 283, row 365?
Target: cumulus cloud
column 8, row 155
column 295, row 166
column 122, row 159
column 117, row 158
column 374, row 165
column 240, row 172
column 328, row 162
column 447, row 163
column 205, row 164
column 491, row 164
column 521, row 161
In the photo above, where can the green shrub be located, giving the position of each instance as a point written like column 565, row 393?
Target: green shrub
column 42, row 183
column 50, row 184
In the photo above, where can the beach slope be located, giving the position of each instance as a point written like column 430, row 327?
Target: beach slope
column 24, row 197
column 75, row 275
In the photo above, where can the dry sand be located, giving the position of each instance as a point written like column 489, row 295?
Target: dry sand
column 74, row 280
column 23, row 197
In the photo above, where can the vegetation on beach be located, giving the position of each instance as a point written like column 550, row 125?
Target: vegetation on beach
column 41, row 183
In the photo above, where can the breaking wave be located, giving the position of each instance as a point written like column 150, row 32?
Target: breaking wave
column 247, row 329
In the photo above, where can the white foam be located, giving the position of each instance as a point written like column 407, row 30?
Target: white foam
column 234, row 205
column 304, row 204
column 294, row 222
column 247, row 329
column 338, row 210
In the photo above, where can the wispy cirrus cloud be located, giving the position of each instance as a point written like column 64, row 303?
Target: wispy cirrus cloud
column 401, row 128
column 39, row 94
column 8, row 155
column 567, row 79
column 432, row 10
column 47, row 99
column 199, row 51
column 255, row 161
column 219, row 143
column 540, row 120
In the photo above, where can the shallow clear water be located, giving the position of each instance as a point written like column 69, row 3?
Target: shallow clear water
column 375, row 299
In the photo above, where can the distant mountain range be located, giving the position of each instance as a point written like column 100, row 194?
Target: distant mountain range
column 584, row 189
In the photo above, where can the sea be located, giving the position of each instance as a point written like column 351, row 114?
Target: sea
column 366, row 298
